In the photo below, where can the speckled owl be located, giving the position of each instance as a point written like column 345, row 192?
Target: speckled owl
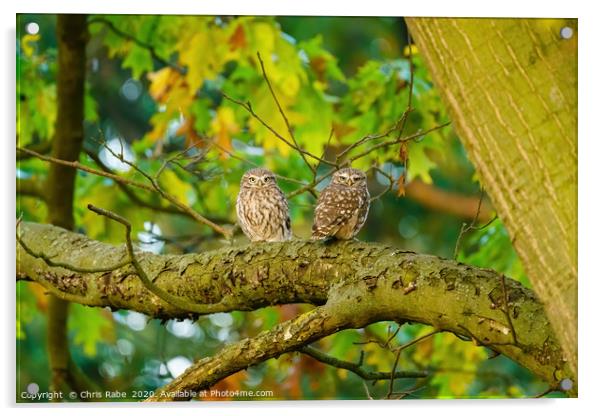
column 262, row 208
column 342, row 206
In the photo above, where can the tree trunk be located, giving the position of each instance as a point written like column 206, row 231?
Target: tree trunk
column 511, row 89
column 72, row 35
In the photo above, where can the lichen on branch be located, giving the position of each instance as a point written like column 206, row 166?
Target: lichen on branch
column 359, row 283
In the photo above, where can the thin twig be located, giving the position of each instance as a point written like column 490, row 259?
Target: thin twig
column 154, row 188
column 247, row 161
column 247, row 106
column 409, row 108
column 472, row 226
column 357, row 369
column 310, row 186
column 388, row 188
column 398, row 351
column 416, row 340
column 388, row 143
column 79, row 166
column 284, row 117
column 154, row 180
column 368, row 138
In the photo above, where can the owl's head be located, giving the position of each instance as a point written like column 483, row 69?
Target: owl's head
column 350, row 177
column 258, row 178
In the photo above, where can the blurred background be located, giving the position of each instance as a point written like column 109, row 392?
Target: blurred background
column 153, row 93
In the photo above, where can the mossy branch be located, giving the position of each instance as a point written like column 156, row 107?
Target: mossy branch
column 360, row 282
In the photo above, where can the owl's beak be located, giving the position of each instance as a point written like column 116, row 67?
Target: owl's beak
column 349, row 182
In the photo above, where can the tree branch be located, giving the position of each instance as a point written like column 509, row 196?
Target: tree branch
column 41, row 147
column 154, row 187
column 446, row 295
column 441, row 200
column 357, row 368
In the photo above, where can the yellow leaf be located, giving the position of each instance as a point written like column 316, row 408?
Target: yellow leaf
column 27, row 43
column 204, row 55
column 162, row 81
column 290, row 85
column 222, row 127
column 264, row 37
column 178, row 188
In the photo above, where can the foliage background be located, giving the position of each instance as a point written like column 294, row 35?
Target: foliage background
column 348, row 76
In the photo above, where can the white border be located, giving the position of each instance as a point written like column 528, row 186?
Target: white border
column 590, row 178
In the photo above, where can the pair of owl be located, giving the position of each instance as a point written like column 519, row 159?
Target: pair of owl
column 341, row 211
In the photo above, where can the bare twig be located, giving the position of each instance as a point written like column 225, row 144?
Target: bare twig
column 284, row 117
column 409, row 108
column 250, row 163
column 368, row 138
column 395, row 141
column 79, row 166
column 367, row 390
column 311, row 186
column 155, row 184
column 388, row 188
column 472, row 226
column 357, row 369
column 247, row 106
column 398, row 351
column 42, row 147
column 154, row 188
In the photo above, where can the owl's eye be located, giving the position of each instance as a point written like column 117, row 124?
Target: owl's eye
column 266, row 179
column 252, row 179
column 356, row 178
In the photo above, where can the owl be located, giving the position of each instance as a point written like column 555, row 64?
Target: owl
column 262, row 208
column 342, row 206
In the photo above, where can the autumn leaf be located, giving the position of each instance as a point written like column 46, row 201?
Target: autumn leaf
column 189, row 132
column 238, row 40
column 222, row 128
column 162, row 81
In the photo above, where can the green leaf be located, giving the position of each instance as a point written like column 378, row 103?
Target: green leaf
column 139, row 60
column 89, row 326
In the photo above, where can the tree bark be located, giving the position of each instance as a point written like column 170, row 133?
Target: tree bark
column 358, row 283
column 72, row 35
column 511, row 89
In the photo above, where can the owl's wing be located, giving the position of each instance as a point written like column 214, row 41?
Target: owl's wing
column 336, row 206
